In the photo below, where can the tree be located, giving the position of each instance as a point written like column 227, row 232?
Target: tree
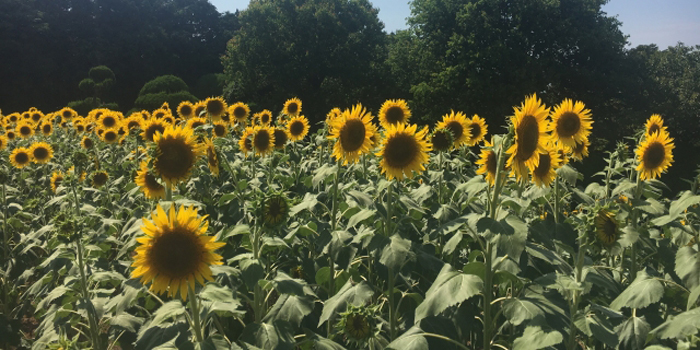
column 99, row 81
column 166, row 88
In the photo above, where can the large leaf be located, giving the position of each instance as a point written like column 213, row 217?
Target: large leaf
column 412, row 339
column 681, row 326
column 451, row 287
column 510, row 234
column 633, row 333
column 396, row 253
column 677, row 207
column 290, row 308
column 276, row 336
column 535, row 338
column 643, row 292
column 350, row 294
column 688, row 266
column 599, row 328
column 518, row 310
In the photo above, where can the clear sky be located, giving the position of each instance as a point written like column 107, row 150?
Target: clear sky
column 661, row 22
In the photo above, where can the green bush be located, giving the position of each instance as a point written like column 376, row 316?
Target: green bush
column 165, row 84
column 153, row 101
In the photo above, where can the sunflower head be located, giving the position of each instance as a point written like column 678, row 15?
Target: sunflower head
column 47, row 128
column 56, row 180
column 151, row 127
column 175, row 251
column 655, row 155
column 281, row 137
column 292, row 107
column 545, row 172
column 67, row 113
column 274, row 210
column 99, row 179
column 654, row 123
column 11, row 135
column 200, row 109
column 442, row 139
column 212, row 157
column 87, row 142
column 580, row 150
column 297, row 127
column 358, row 324
column 41, row 152
column 571, row 122
column 36, row 116
column 263, row 140
column 3, row 142
column 530, row 123
column 108, row 120
column 110, row 136
column 457, row 124
column 220, row 129
column 25, row 129
column 245, row 143
column 194, row 123
column 352, row 132
column 476, row 126
column 185, row 110
column 404, row 151
column 240, row 112
column 394, row 112
column 148, row 183
column 20, row 157
column 334, row 113
column 160, row 113
column 607, row 228
column 216, row 107
column 79, row 126
column 176, row 152
column 265, row 117
column 488, row 162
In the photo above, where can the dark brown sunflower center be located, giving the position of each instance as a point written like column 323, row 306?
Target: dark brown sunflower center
column 25, row 130
column 441, row 141
column 215, row 107
column 41, row 153
column 568, row 124
column 239, row 112
column 401, row 150
column 110, row 136
column 66, row 114
column 219, row 130
column 528, row 137
column 87, row 143
column 46, row 128
column 197, row 124
column 607, row 228
column 133, row 124
column 395, row 115
column 198, row 111
column 265, row 118
column 36, row 117
column 293, row 107
column 152, row 129
column 296, row 128
column 57, row 181
column 10, row 135
column 109, row 122
column 176, row 254
column 175, row 158
column 152, row 183
column 262, row 140
column 456, row 128
column 358, row 326
column 654, row 155
column 352, row 135
column 21, row 158
column 654, row 128
column 100, row 179
column 186, row 110
column 542, row 169
column 491, row 163
column 280, row 138
column 248, row 142
column 80, row 128
column 474, row 130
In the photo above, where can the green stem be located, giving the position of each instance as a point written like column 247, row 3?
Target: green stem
column 389, row 214
column 334, row 208
column 442, row 177
column 556, row 199
column 168, row 192
column 6, row 246
column 194, row 309
column 392, row 306
column 633, row 257
column 573, row 310
column 271, row 169
column 258, row 300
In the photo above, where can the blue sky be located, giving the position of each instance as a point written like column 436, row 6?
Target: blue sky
column 661, row 22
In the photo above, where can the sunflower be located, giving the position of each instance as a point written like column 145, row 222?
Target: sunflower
column 87, row 142
column 281, row 137
column 220, row 129
column 545, row 172
column 334, row 113
column 530, row 122
column 457, row 124
column 67, row 113
column 132, row 123
column 108, row 120
column 175, row 251
column 79, row 126
column 571, row 122
column 151, row 127
column 655, row 155
column 212, row 157
column 256, row 119
column 654, row 123
column 442, row 139
column 56, row 180
column 358, row 324
column 200, row 109
column 110, row 136
column 240, row 112
column 3, row 142
column 216, row 107
column 477, row 130
column 41, row 152
column 265, row 117
column 10, row 134
column 394, row 112
column 263, row 140
column 36, row 116
column 352, row 132
column 274, row 210
column 607, row 227
column 580, row 150
column 245, row 144
column 489, row 163
column 292, row 107
column 194, row 123
column 185, row 110
column 99, row 179
column 176, row 153
column 161, row 113
column 169, row 119
column 20, row 157
column 25, row 129
column 404, row 151
column 14, row 117
column 148, row 183
column 297, row 127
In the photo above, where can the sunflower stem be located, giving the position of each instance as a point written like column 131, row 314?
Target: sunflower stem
column 334, row 207
column 6, row 246
column 194, row 309
column 573, row 306
column 633, row 257
column 442, row 177
column 389, row 214
column 556, row 198
column 168, row 192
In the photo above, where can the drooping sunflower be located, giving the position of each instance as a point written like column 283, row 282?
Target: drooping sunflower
column 176, row 153
column 20, row 157
column 571, row 122
column 297, row 127
column 654, row 123
column 245, row 143
column 580, row 150
column 212, row 157
column 56, row 180
column 281, row 137
column 194, row 123
column 442, row 139
column 358, row 324
column 607, row 228
column 220, row 129
column 99, row 179
column 151, row 127
column 394, row 112
column 476, row 126
column 274, row 210
column 240, row 112
column 87, row 142
column 41, row 152
column 148, row 183
column 110, row 136
column 263, row 140
column 216, row 107
column 545, row 172
column 403, row 151
column 530, row 122
column 185, row 110
column 488, row 162
column 352, row 132
column 655, row 155
column 25, row 129
column 175, row 251
column 292, row 107
column 3, row 142
column 457, row 124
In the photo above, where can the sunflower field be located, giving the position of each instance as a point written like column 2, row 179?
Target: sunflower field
column 206, row 226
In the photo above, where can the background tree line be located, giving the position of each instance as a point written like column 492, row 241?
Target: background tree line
column 477, row 56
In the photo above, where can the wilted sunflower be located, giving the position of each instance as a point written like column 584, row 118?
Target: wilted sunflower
column 175, row 251
column 545, row 172
column 263, row 140
column 110, row 136
column 245, row 144
column 194, row 123
column 216, row 107
column 240, row 112
column 41, row 152
column 281, row 137
column 20, row 157
column 655, row 155
column 297, row 127
column 274, row 210
column 530, row 122
column 151, row 127
column 580, row 150
column 571, row 122
column 176, row 153
column 442, row 139
column 394, row 112
column 488, row 163
column 185, row 110
column 292, row 107
column 606, row 227
column 212, row 157
column 56, row 180
column 200, row 109
column 404, row 151
column 457, row 124
column 654, row 123
column 99, row 179
column 25, row 129
column 477, row 130
column 148, row 183
column 352, row 132
column 220, row 129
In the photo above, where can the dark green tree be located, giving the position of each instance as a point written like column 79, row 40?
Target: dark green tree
column 166, row 88
column 99, row 82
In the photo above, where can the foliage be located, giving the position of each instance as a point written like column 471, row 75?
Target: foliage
column 166, row 88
